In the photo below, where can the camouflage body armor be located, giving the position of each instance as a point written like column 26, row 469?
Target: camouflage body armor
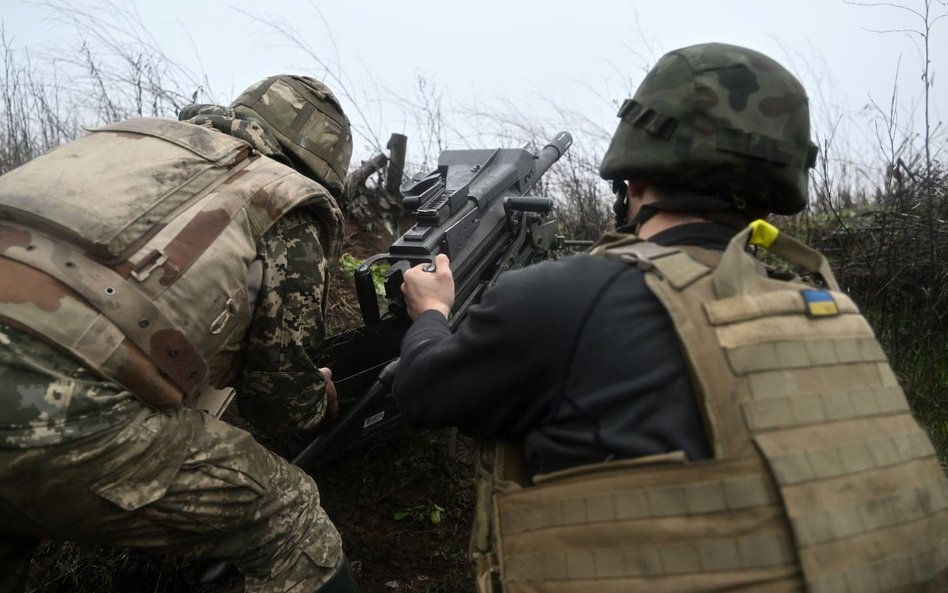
column 821, row 481
column 132, row 249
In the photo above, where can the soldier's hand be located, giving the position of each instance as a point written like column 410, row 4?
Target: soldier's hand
column 429, row 286
column 332, row 401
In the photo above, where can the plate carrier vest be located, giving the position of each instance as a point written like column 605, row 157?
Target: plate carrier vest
column 821, row 481
column 130, row 249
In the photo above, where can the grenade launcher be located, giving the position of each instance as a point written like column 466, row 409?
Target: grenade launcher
column 476, row 208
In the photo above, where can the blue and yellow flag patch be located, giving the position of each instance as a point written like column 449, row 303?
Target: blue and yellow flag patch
column 819, row 303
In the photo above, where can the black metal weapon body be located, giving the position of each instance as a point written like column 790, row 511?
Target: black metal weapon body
column 476, row 208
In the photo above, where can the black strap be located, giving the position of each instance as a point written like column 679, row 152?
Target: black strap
column 683, row 202
column 646, row 118
column 340, row 582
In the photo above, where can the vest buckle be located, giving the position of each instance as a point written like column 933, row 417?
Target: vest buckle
column 154, row 259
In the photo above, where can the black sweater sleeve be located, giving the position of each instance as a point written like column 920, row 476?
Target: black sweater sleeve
column 576, row 356
column 500, row 372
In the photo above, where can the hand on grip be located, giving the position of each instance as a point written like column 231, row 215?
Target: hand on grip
column 429, row 286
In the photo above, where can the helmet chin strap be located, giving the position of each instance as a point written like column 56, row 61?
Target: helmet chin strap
column 679, row 202
column 646, row 211
column 621, row 210
column 620, row 207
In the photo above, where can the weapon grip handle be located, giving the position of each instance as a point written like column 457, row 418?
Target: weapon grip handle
column 365, row 290
column 393, row 289
column 529, row 204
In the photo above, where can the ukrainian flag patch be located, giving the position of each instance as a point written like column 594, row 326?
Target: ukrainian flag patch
column 819, row 303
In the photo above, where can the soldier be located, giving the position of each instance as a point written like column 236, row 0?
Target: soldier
column 688, row 422
column 148, row 268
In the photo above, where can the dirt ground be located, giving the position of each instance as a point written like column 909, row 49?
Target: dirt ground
column 404, row 507
column 402, row 502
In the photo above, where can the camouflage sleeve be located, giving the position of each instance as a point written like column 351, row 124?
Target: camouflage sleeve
column 281, row 389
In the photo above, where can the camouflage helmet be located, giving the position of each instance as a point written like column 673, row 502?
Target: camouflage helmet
column 307, row 120
column 722, row 119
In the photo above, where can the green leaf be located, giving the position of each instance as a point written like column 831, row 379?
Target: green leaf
column 348, row 264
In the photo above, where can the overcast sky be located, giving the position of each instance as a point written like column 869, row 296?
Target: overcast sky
column 547, row 60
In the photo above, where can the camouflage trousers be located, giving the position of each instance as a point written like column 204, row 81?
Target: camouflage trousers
column 184, row 483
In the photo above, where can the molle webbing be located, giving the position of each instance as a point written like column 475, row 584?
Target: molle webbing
column 821, row 479
column 860, row 483
column 669, row 263
column 672, row 269
column 500, row 467
column 628, row 526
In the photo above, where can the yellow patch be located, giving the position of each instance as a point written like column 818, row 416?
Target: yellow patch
column 763, row 233
column 819, row 303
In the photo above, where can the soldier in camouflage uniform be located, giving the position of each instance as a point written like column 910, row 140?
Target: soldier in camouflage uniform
column 673, row 417
column 95, row 444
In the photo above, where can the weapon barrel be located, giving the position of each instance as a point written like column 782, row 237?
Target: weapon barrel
column 552, row 152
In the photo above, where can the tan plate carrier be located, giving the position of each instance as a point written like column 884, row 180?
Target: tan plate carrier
column 130, row 248
column 822, row 481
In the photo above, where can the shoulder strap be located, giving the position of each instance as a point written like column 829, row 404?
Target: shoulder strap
column 739, row 273
column 680, row 266
column 109, row 293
